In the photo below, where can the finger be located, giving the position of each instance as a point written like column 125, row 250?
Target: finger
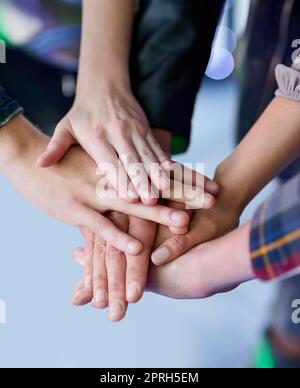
column 179, row 206
column 161, row 155
column 116, row 273
column 137, row 266
column 192, row 197
column 79, row 286
column 160, row 214
column 100, row 286
column 116, row 270
column 109, row 164
column 107, row 231
column 155, row 172
column 82, row 297
column 179, row 230
column 189, row 177
column 84, row 294
column 163, row 158
column 58, row 146
column 79, row 256
column 136, row 172
column 84, row 291
column 176, row 246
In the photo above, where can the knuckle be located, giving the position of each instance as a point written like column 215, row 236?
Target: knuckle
column 113, row 255
column 115, row 287
column 98, row 279
column 179, row 242
column 100, row 249
column 98, row 133
column 147, row 152
column 89, row 267
column 99, row 223
column 132, row 160
column 119, row 126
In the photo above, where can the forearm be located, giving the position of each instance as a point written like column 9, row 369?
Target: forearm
column 19, row 141
column 271, row 145
column 106, row 41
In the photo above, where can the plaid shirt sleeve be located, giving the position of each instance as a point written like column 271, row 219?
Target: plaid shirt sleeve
column 275, row 235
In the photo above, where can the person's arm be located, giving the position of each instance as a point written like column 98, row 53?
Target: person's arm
column 271, row 145
column 266, row 248
column 275, row 234
column 67, row 191
column 106, row 119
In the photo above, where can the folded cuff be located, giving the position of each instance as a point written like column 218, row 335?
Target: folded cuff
column 288, row 80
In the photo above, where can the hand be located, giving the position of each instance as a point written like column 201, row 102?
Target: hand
column 67, row 191
column 206, row 225
column 112, row 128
column 110, row 277
column 208, row 269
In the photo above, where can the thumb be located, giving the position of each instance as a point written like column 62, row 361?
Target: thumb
column 58, row 146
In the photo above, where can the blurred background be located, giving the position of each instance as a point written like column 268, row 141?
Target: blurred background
column 37, row 274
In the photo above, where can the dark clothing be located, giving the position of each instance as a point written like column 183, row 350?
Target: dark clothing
column 8, row 108
column 171, row 49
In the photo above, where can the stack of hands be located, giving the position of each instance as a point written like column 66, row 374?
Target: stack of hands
column 149, row 230
column 145, row 237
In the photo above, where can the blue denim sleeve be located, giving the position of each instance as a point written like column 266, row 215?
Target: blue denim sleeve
column 9, row 108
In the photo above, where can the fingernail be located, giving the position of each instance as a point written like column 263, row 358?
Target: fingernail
column 208, row 200
column 88, row 282
column 100, row 296
column 160, row 256
column 177, row 218
column 134, row 246
column 116, row 310
column 213, row 187
column 133, row 292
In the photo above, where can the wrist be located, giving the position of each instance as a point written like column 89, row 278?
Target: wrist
column 242, row 259
column 91, row 82
column 237, row 188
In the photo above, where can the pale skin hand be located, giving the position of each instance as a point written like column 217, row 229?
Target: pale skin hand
column 67, row 191
column 110, row 278
column 208, row 269
column 106, row 119
column 271, row 145
column 206, row 225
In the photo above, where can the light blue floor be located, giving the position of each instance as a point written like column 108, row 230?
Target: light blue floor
column 37, row 275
